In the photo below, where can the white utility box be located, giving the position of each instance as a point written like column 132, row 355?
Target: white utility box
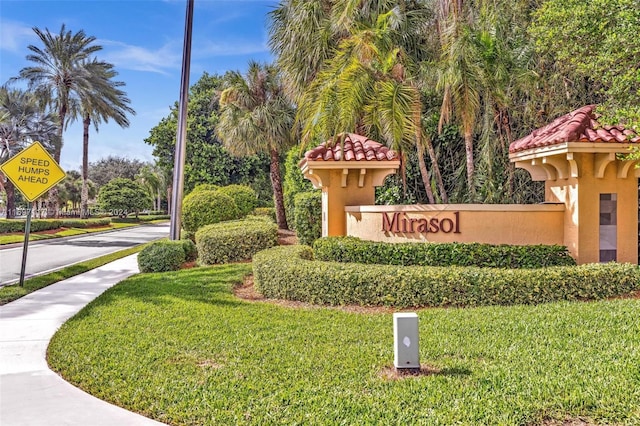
column 405, row 340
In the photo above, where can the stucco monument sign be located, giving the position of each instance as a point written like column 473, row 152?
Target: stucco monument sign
column 591, row 194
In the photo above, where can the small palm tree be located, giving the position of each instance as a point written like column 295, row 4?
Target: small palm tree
column 152, row 178
column 22, row 121
column 256, row 117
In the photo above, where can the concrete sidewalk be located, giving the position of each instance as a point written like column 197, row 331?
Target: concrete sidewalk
column 30, row 393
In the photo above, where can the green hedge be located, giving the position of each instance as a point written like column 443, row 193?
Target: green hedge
column 140, row 218
column 190, row 249
column 288, row 272
column 166, row 255
column 308, row 216
column 17, row 225
column 352, row 249
column 234, row 241
column 207, row 207
column 244, row 196
column 265, row 211
column 293, row 183
column 204, row 187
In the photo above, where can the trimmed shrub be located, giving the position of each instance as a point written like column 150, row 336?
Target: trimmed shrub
column 162, row 256
column 352, row 249
column 205, row 187
column 18, row 225
column 234, row 241
column 265, row 211
column 190, row 249
column 11, row 225
column 207, row 207
column 188, row 235
column 139, row 219
column 288, row 272
column 244, row 196
column 308, row 216
column 151, row 218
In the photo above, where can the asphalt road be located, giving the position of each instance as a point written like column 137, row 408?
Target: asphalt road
column 49, row 255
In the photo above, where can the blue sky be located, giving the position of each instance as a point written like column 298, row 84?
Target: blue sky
column 143, row 39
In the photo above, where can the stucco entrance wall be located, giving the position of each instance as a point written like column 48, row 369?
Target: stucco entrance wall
column 599, row 174
column 468, row 223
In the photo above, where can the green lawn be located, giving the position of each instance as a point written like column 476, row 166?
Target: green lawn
column 180, row 348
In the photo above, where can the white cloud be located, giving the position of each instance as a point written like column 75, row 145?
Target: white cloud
column 137, row 58
column 14, row 36
column 230, row 48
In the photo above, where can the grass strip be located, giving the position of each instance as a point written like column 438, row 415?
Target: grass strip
column 10, row 293
column 64, row 232
column 179, row 347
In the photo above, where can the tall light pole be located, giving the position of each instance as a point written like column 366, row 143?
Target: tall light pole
column 181, row 135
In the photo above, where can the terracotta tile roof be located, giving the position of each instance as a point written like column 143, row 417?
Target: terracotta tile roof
column 580, row 125
column 356, row 148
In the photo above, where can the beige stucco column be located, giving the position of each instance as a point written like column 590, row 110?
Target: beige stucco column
column 577, row 174
column 585, row 166
column 347, row 176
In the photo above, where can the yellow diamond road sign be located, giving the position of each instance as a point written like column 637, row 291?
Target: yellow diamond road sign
column 33, row 171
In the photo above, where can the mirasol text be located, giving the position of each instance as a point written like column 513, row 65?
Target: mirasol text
column 33, row 169
column 399, row 223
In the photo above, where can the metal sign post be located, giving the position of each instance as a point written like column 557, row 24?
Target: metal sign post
column 27, row 230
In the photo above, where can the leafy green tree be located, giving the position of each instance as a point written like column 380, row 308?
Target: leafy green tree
column 256, row 117
column 122, row 196
column 597, row 40
column 22, row 121
column 207, row 160
column 106, row 169
column 101, row 101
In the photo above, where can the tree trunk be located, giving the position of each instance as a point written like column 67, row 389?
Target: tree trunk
column 511, row 169
column 424, row 173
column 11, row 199
column 436, row 170
column 84, row 194
column 169, row 190
column 468, row 145
column 52, row 198
column 276, row 183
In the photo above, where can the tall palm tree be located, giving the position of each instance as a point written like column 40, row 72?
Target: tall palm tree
column 22, row 121
column 58, row 76
column 256, row 117
column 303, row 33
column 100, row 100
column 459, row 76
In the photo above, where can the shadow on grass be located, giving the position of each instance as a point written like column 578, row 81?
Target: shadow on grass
column 208, row 285
column 425, row 370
